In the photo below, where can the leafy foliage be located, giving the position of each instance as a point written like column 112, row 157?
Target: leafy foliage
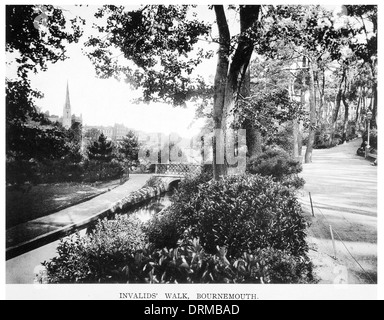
column 268, row 109
column 189, row 263
column 157, row 39
column 31, row 139
column 105, row 256
column 129, row 147
column 325, row 139
column 368, row 50
column 92, row 135
column 241, row 213
column 99, row 256
column 95, row 170
column 37, row 45
column 276, row 163
column 164, row 230
column 26, row 135
column 281, row 138
column 279, row 165
column 101, row 150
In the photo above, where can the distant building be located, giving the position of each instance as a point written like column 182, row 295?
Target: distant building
column 115, row 133
column 119, row 132
column 68, row 118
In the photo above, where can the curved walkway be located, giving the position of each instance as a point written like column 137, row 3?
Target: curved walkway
column 32, row 234
column 343, row 187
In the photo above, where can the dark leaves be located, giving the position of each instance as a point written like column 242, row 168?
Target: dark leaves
column 157, row 39
column 38, row 46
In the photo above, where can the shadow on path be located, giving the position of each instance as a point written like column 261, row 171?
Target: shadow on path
column 343, row 187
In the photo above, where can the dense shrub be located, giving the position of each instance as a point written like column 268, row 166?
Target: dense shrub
column 188, row 263
column 243, row 213
column 18, row 172
column 63, row 170
column 293, row 182
column 102, row 171
column 242, row 229
column 283, row 138
column 324, row 138
column 274, row 162
column 100, row 256
column 164, row 230
column 60, row 171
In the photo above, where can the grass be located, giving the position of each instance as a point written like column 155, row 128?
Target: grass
column 23, row 205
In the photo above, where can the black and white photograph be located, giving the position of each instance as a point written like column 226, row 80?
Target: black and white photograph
column 191, row 152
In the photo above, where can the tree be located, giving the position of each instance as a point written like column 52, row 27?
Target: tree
column 271, row 102
column 30, row 45
column 158, row 39
column 37, row 34
column 92, row 135
column 74, row 140
column 28, row 134
column 101, row 150
column 367, row 49
column 230, row 76
column 311, row 33
column 130, row 147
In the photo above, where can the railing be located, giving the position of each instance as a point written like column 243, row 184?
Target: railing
column 179, row 169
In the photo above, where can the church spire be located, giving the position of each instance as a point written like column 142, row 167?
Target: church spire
column 67, row 117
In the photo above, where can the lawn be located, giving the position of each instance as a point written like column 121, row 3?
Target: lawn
column 41, row 200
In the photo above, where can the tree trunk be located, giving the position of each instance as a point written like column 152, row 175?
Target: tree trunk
column 295, row 150
column 337, row 105
column 228, row 83
column 294, row 123
column 219, row 168
column 302, row 98
column 322, row 99
column 358, row 110
column 346, row 118
column 254, row 139
column 253, row 135
column 312, row 110
column 374, row 105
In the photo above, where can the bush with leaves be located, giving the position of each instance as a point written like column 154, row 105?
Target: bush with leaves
column 187, row 263
column 276, row 163
column 242, row 213
column 101, row 150
column 165, row 229
column 162, row 230
column 282, row 138
column 19, row 171
column 95, row 170
column 190, row 263
column 100, row 256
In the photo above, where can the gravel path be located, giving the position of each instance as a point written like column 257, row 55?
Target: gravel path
column 343, row 187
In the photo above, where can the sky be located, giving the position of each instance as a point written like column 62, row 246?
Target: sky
column 106, row 101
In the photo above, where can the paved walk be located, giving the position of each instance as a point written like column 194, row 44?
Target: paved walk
column 344, row 193
column 32, row 234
